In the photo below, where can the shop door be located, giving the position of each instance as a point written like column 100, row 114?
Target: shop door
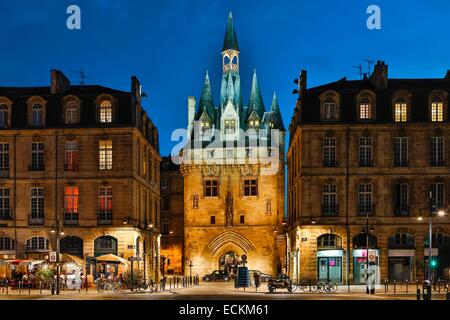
column 330, row 268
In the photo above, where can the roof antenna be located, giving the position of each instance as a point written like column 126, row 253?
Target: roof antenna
column 369, row 65
column 359, row 71
column 82, row 76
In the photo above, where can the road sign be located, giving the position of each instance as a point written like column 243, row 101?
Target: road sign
column 372, row 257
column 52, row 256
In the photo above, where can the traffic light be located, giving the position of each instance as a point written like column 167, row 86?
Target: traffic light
column 433, row 262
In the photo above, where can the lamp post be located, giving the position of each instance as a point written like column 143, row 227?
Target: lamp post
column 55, row 230
column 367, row 231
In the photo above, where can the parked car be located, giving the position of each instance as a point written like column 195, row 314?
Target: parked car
column 217, row 275
column 264, row 277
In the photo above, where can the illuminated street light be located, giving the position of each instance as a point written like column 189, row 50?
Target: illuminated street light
column 441, row 213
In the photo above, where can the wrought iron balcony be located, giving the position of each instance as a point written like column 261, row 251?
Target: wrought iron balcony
column 330, row 210
column 36, row 221
column 70, row 219
column 36, row 167
column 367, row 209
column 5, row 214
column 104, row 218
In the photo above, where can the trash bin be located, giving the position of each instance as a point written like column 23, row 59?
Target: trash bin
column 426, row 290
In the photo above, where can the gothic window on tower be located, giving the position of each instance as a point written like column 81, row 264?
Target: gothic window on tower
column 211, row 188
column 250, row 187
column 230, row 126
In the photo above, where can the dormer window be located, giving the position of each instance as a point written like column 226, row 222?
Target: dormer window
column 205, row 126
column 37, row 115
column 437, row 110
column 254, row 123
column 401, row 110
column 106, row 111
column 365, row 109
column 72, row 113
column 4, row 116
column 329, row 106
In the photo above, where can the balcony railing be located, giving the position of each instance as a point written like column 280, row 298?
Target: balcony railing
column 104, row 218
column 35, row 221
column 5, row 214
column 71, row 219
column 4, row 173
column 36, row 167
column 367, row 209
column 330, row 210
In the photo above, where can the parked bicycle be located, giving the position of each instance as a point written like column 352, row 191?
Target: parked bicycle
column 326, row 286
column 142, row 285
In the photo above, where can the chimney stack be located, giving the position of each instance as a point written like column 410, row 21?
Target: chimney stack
column 59, row 82
column 379, row 76
column 136, row 88
column 303, row 82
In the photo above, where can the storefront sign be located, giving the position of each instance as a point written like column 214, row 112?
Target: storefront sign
column 52, row 256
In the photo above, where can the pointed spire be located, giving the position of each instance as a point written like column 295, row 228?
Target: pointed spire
column 255, row 102
column 230, row 41
column 206, row 102
column 276, row 114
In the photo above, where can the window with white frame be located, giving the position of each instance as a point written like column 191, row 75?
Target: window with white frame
column 365, row 151
column 401, row 110
column 105, row 155
column 437, row 151
column 365, row 109
column 37, row 244
column 329, row 109
column 329, row 200
column 37, row 203
column 5, row 208
column 437, row 196
column 365, row 199
column 105, row 205
column 6, row 244
column 72, row 113
column 400, row 151
column 402, row 199
column 37, row 156
column 105, row 111
column 71, row 156
column 4, row 116
column 329, row 152
column 71, row 203
column 37, row 114
column 437, row 110
column 4, row 157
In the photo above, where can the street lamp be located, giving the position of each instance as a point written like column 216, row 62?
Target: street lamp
column 55, row 230
column 440, row 213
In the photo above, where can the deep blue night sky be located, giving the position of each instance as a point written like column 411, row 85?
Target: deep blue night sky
column 169, row 44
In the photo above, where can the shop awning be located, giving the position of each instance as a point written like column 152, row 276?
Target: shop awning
column 111, row 258
column 31, row 262
column 11, row 261
column 71, row 258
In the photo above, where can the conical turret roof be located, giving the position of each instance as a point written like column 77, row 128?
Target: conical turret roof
column 255, row 102
column 206, row 102
column 230, row 41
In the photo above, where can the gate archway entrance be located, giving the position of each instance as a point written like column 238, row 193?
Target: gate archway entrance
column 229, row 262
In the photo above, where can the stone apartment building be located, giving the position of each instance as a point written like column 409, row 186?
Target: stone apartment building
column 82, row 160
column 172, row 217
column 370, row 154
column 234, row 202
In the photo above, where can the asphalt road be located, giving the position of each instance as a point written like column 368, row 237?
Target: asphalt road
column 215, row 291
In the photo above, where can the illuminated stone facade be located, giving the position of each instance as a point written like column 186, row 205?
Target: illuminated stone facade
column 87, row 162
column 233, row 200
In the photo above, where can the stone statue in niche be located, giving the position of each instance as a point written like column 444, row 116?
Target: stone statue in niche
column 268, row 206
column 229, row 209
column 195, row 199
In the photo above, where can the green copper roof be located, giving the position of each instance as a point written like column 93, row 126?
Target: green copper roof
column 276, row 114
column 206, row 102
column 230, row 41
column 255, row 102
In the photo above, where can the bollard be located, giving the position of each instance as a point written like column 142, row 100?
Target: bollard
column 29, row 288
column 7, row 287
column 395, row 287
column 20, row 287
column 40, row 287
column 170, row 284
column 418, row 294
column 407, row 286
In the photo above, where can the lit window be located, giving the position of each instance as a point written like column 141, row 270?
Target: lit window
column 105, row 204
column 37, row 115
column 72, row 113
column 437, row 110
column 205, row 125
column 230, row 126
column 401, row 110
column 254, row 123
column 365, row 109
column 71, row 156
column 71, row 203
column 105, row 155
column 105, row 111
